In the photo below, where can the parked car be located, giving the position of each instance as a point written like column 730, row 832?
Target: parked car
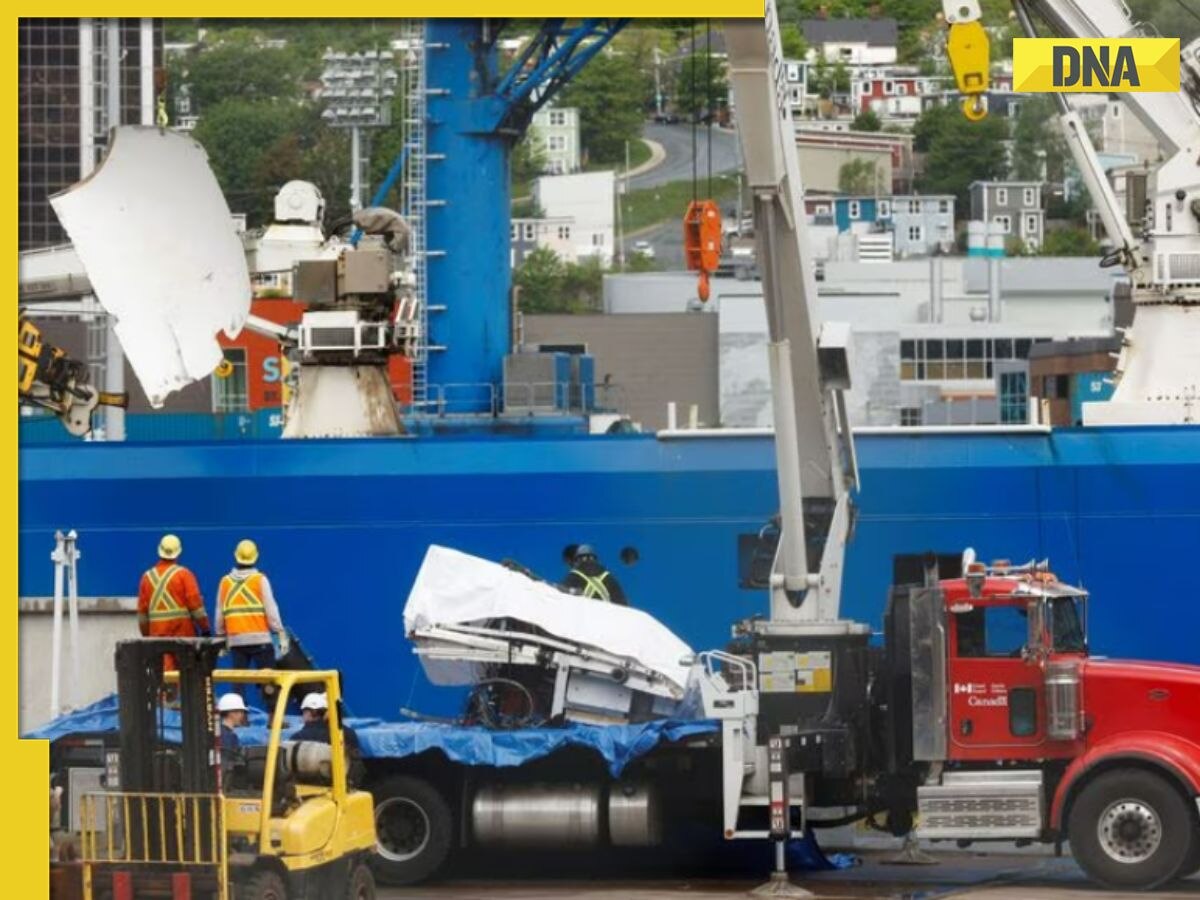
column 643, row 248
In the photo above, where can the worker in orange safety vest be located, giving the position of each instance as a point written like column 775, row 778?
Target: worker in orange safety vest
column 169, row 600
column 247, row 614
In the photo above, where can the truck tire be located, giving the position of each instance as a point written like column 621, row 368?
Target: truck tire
column 1191, row 862
column 1130, row 829
column 263, row 884
column 415, row 830
column 360, row 885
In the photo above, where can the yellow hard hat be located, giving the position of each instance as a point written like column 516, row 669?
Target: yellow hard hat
column 246, row 553
column 170, row 547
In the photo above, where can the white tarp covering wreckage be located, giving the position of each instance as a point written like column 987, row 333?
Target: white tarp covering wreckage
column 154, row 234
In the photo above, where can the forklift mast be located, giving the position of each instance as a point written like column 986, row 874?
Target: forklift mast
column 148, row 763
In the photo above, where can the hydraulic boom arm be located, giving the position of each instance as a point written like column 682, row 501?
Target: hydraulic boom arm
column 809, row 365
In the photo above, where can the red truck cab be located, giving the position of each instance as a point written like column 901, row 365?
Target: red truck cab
column 1107, row 752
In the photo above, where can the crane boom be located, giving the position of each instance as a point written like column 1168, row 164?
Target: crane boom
column 809, row 365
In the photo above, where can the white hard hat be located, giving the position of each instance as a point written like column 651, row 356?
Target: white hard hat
column 314, row 701
column 231, row 703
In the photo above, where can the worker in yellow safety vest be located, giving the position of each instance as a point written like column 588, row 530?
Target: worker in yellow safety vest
column 247, row 614
column 169, row 600
column 590, row 579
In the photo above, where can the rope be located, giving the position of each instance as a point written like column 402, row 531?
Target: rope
column 692, row 111
column 708, row 98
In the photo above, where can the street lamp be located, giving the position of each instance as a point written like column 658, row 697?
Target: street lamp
column 357, row 91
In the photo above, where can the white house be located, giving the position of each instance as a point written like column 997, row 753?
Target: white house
column 556, row 129
column 861, row 42
column 588, row 200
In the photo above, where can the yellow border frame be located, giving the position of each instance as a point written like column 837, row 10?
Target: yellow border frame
column 26, row 762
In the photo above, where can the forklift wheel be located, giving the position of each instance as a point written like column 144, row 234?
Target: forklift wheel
column 415, row 830
column 361, row 883
column 264, row 884
column 1130, row 829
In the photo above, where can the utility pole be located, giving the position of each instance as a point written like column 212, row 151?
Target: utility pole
column 114, row 355
column 658, row 94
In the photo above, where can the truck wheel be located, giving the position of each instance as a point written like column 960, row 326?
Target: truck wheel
column 1130, row 829
column 361, row 883
column 264, row 884
column 414, row 830
column 1191, row 862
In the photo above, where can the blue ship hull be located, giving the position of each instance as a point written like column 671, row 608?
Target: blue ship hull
column 343, row 525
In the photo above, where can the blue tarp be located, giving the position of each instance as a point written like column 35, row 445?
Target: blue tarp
column 619, row 745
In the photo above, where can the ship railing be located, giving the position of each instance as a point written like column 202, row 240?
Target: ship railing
column 549, row 397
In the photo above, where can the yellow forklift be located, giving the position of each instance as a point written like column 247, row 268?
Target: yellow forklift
column 183, row 818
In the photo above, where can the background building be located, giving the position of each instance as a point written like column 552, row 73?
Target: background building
column 588, row 199
column 1014, row 206
column 556, row 130
column 76, row 79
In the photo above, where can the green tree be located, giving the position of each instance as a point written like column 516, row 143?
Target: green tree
column 858, row 176
column 701, row 86
column 528, row 160
column 539, row 282
column 239, row 136
column 867, row 120
column 611, row 97
column 238, row 69
column 792, row 39
column 582, row 285
column 958, row 151
column 1069, row 242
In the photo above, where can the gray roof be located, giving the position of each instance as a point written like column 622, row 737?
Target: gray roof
column 1076, row 347
column 1043, row 275
column 873, row 32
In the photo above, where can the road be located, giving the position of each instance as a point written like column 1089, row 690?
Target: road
column 959, row 875
column 676, row 140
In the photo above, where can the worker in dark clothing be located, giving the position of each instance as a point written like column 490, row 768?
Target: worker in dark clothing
column 588, row 578
column 314, row 710
column 233, row 712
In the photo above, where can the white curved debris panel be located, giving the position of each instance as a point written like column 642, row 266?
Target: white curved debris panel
column 154, row 233
column 455, row 588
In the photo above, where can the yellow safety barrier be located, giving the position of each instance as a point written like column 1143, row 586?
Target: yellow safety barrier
column 165, row 830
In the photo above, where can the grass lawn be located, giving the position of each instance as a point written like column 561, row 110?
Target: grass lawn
column 650, row 206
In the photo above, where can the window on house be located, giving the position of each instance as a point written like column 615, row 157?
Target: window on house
column 530, row 231
column 885, row 208
column 564, row 232
column 910, row 416
column 1031, row 224
column 889, row 88
column 598, row 240
column 914, row 207
column 229, row 393
column 557, row 142
column 916, row 233
column 558, row 117
column 855, row 209
column 822, row 209
column 866, row 86
column 513, row 232
column 943, row 206
column 1004, row 222
column 1029, row 197
column 902, row 89
column 1002, row 196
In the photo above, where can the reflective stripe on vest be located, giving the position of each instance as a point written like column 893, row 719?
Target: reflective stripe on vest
column 164, row 605
column 242, row 605
column 595, row 589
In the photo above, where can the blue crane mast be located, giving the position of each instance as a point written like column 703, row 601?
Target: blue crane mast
column 474, row 113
